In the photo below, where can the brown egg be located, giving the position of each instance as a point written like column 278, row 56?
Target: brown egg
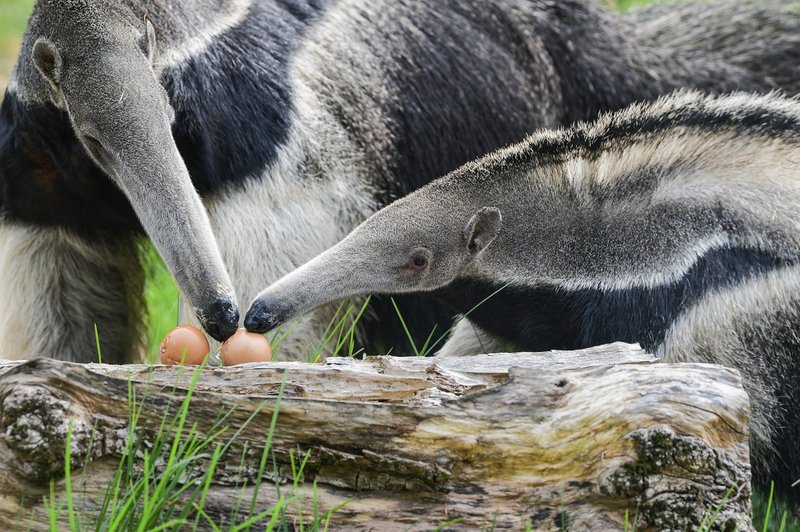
column 245, row 347
column 184, row 339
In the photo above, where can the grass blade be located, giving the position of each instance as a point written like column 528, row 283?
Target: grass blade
column 52, row 508
column 263, row 463
column 207, row 485
column 73, row 524
column 769, row 507
column 97, row 342
column 466, row 315
column 405, row 327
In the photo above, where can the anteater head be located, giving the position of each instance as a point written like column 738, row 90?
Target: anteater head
column 419, row 243
column 89, row 66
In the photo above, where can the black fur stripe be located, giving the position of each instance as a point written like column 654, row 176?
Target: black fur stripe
column 549, row 317
column 750, row 121
column 46, row 178
column 232, row 102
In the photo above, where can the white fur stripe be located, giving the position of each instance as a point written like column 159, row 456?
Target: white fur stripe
column 722, row 329
column 12, row 82
column 229, row 15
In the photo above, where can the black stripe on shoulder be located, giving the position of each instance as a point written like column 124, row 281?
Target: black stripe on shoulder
column 232, row 102
column 548, row 317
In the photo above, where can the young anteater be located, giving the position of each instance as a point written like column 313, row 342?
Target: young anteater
column 675, row 225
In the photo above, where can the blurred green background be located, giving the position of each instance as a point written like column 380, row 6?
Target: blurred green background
column 13, row 14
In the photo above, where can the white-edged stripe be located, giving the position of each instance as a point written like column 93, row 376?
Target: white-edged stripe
column 230, row 15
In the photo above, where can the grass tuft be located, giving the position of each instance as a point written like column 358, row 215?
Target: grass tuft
column 97, row 343
column 167, row 486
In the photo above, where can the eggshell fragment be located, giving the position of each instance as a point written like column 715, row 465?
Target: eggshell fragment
column 244, row 347
column 184, row 339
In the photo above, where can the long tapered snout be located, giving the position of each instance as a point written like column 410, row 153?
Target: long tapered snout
column 335, row 274
column 170, row 210
column 157, row 183
column 124, row 121
column 176, row 221
column 370, row 260
column 296, row 293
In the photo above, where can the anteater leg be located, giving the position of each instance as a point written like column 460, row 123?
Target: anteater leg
column 467, row 338
column 55, row 286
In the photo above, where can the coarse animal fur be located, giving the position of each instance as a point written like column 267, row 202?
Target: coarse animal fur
column 675, row 225
column 294, row 120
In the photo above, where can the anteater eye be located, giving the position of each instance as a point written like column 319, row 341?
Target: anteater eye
column 418, row 261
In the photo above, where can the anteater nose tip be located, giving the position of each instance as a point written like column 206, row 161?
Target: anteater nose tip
column 221, row 319
column 220, row 332
column 258, row 319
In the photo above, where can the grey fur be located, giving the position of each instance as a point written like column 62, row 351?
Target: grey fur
column 629, row 204
column 50, row 293
column 737, row 34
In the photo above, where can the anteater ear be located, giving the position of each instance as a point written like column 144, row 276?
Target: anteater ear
column 148, row 42
column 47, row 61
column 482, row 229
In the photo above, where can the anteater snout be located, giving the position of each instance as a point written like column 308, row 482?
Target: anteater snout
column 261, row 317
column 220, row 319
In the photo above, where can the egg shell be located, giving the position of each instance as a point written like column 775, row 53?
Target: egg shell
column 244, row 347
column 188, row 339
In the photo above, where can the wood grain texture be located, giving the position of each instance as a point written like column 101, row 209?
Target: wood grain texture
column 554, row 439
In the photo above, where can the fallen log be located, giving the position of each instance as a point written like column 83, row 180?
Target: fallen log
column 552, row 440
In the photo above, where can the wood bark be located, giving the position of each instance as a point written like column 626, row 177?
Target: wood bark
column 558, row 440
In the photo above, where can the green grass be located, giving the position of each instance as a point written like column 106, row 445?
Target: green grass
column 13, row 16
column 427, row 347
column 624, row 5
column 163, row 480
column 772, row 515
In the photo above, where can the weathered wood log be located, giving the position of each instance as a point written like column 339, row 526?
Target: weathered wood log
column 552, row 439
